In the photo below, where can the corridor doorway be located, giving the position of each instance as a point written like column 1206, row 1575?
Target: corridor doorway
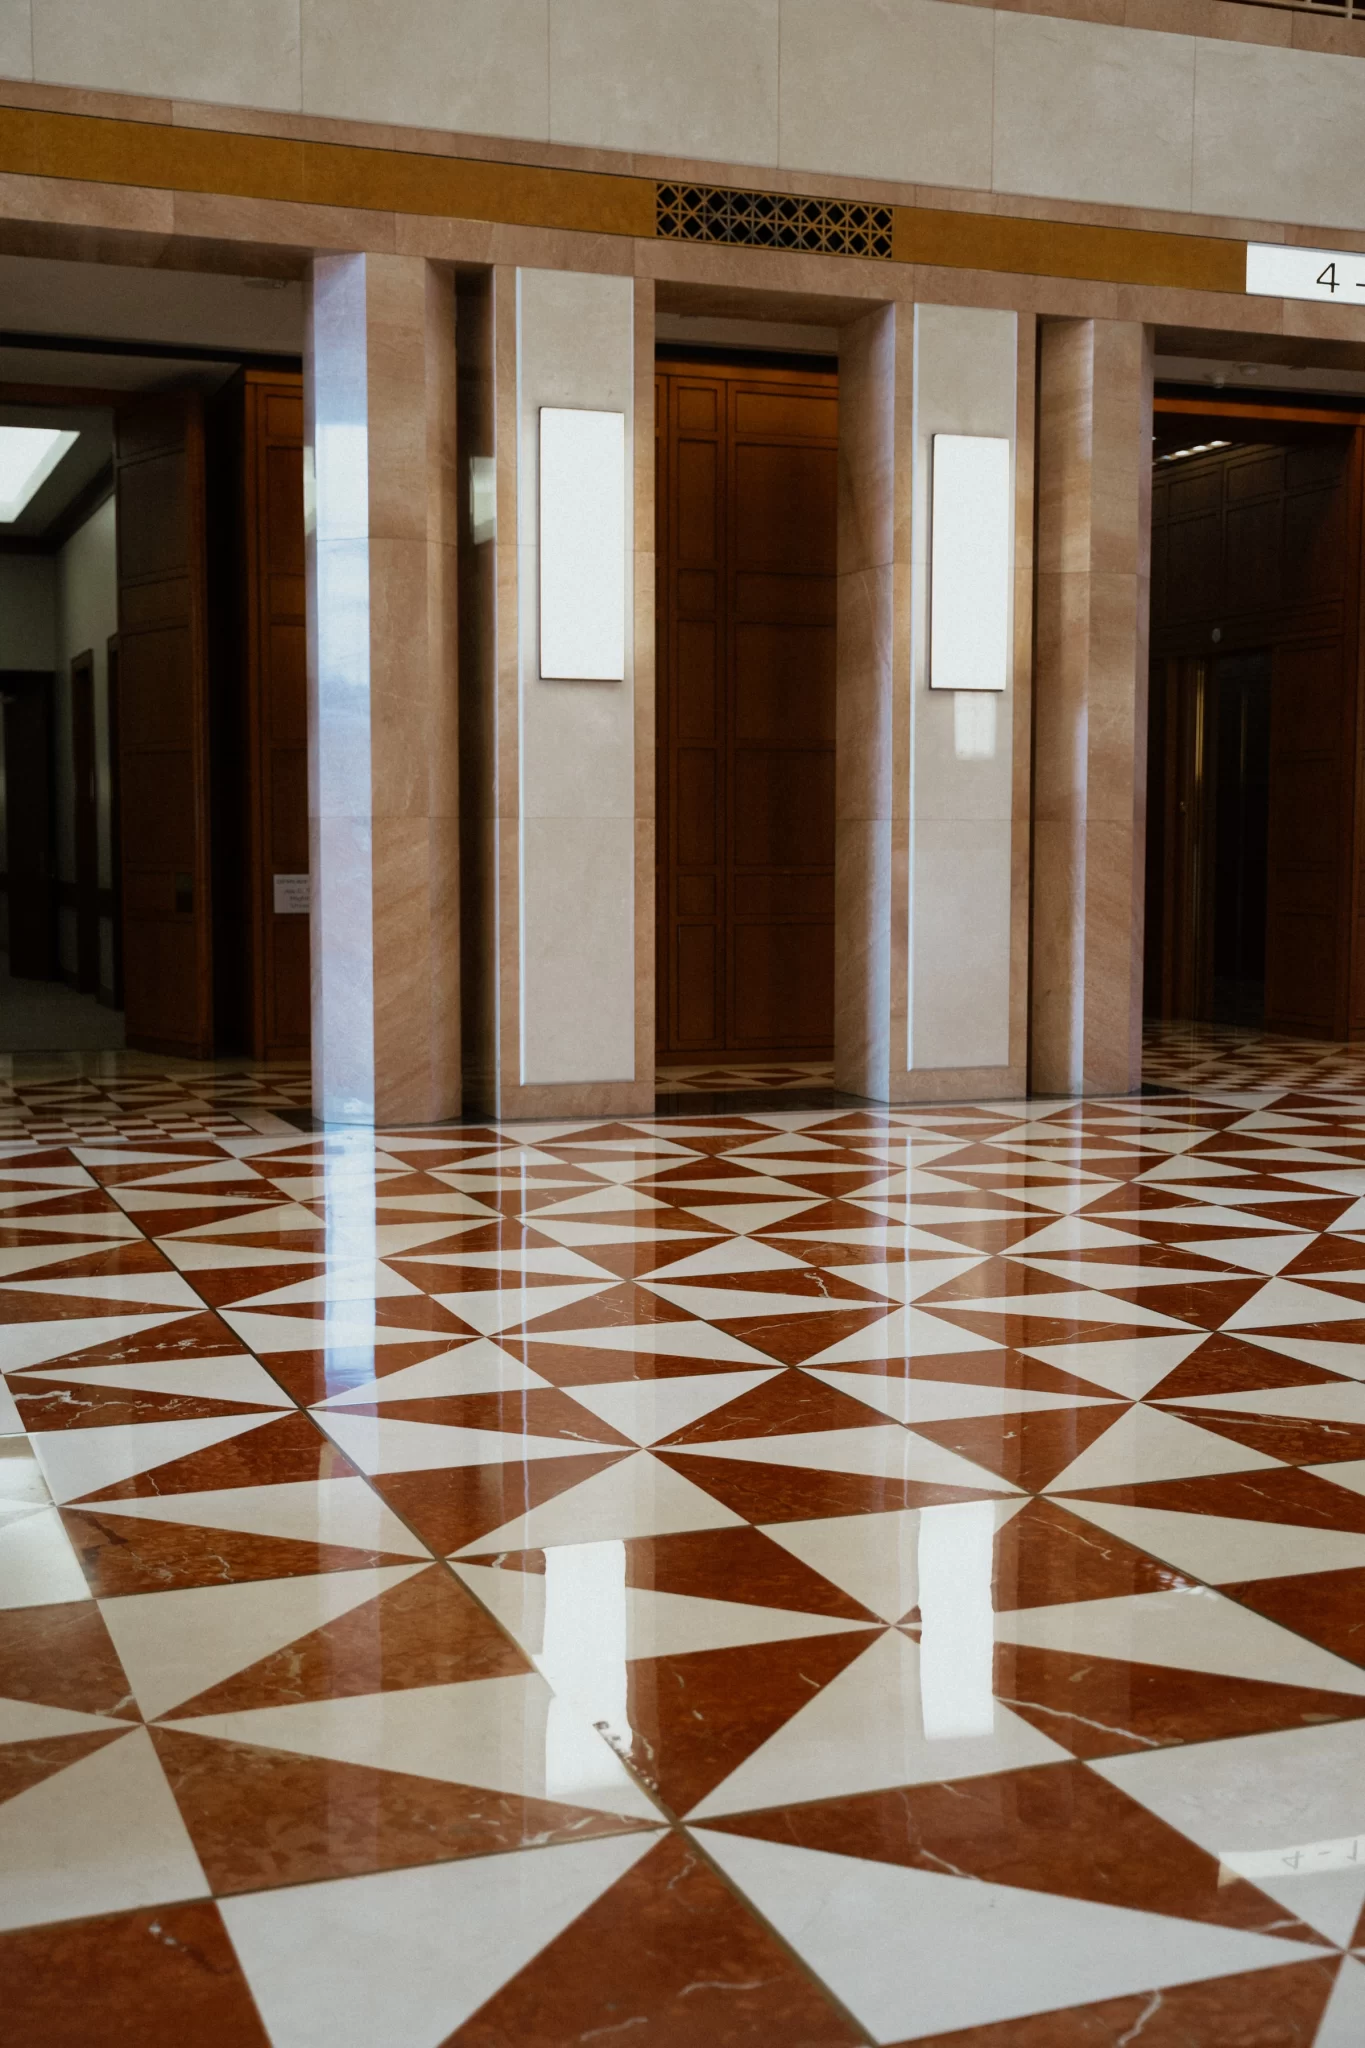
column 746, row 497
column 1253, row 818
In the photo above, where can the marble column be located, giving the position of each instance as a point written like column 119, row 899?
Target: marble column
column 1094, row 469
column 560, row 783
column 931, row 883
column 380, row 477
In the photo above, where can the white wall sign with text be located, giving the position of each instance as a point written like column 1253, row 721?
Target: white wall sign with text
column 1277, row 272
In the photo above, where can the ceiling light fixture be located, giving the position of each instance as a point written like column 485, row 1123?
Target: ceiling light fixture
column 28, row 456
column 1200, row 448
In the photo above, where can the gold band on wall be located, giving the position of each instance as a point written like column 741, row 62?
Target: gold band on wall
column 156, row 155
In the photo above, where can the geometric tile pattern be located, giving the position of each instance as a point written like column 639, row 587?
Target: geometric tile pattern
column 823, row 1576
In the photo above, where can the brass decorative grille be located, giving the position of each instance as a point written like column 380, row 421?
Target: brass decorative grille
column 774, row 220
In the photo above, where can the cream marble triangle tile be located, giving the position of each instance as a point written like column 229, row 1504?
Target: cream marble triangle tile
column 76, row 1462
column 217, row 1256
column 1347, row 1359
column 726, row 1304
column 347, row 1513
column 648, row 1410
column 38, row 1567
column 1286, row 1302
column 556, row 1260
column 1145, row 1444
column 175, row 1645
column 745, row 1218
column 921, row 1399
column 280, row 1216
column 33, row 1258
column 875, row 1557
column 490, row 1309
column 636, row 1496
column 876, row 1452
column 1120, row 1278
column 865, row 1731
column 1073, row 1305
column 737, row 1255
column 478, row 1367
column 348, row 1328
column 341, row 1281
column 906, row 1333
column 912, row 1952
column 510, row 1735
column 1225, row 1549
column 379, row 1443
column 1128, row 1366
column 581, row 1622
column 1343, row 2023
column 1285, row 1810
column 360, row 1960
column 1329, row 1401
column 25, row 1344
column 1265, row 1252
column 25, row 1721
column 102, row 1836
column 694, row 1339
column 1195, row 1629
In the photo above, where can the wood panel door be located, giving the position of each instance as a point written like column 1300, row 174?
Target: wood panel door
column 32, row 868
column 277, row 699
column 86, row 822
column 1308, row 859
column 747, row 540
column 163, row 736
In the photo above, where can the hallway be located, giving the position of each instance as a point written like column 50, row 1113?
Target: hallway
column 812, row 1577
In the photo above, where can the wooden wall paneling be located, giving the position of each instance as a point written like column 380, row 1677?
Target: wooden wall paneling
column 234, row 978
column 159, row 484
column 115, row 815
column 86, row 821
column 277, row 707
column 30, row 853
column 1355, row 664
column 663, row 751
column 1309, row 786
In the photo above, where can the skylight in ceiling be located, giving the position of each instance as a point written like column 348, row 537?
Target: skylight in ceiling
column 28, row 456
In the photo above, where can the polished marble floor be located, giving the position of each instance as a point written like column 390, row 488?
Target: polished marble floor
column 774, row 1580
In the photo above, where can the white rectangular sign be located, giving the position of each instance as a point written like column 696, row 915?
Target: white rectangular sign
column 1277, row 272
column 582, row 545
column 970, row 569
column 291, row 895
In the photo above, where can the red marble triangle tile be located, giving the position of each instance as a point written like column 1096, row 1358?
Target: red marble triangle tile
column 1044, row 1556
column 311, row 1376
column 451, row 1508
column 132, row 1554
column 23, row 1764
column 1253, row 2009
column 1003, row 1368
column 128, row 1255
column 1102, row 1706
column 787, row 1493
column 1207, row 1305
column 534, row 1411
column 626, row 1306
column 314, row 1242
column 63, row 1656
column 718, row 1564
column 1295, row 1441
column 791, row 1340
column 158, row 1977
column 649, row 1256
column 586, row 1365
column 45, row 1405
column 1327, row 1607
column 1029, row 1449
column 1287, row 1494
column 1056, row 1828
column 263, row 1817
column 292, row 1448
column 789, row 1403
column 427, row 1631
column 172, row 1221
column 222, row 1286
column 1328, row 1254
column 401, row 1312
column 53, row 1308
column 188, row 1336
column 670, row 1954
column 1224, row 1364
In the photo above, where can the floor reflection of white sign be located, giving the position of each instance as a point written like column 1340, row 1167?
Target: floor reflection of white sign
column 957, row 1639
column 583, row 1656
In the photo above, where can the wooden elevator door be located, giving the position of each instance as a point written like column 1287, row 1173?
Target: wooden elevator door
column 747, row 542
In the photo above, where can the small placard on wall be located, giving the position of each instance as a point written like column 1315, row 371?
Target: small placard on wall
column 291, row 895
